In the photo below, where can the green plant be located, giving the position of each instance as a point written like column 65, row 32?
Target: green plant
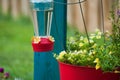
column 115, row 20
column 92, row 53
column 100, row 50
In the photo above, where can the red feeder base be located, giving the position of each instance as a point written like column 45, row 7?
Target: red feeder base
column 43, row 45
column 70, row 72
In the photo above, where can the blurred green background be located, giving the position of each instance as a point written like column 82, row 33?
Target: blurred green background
column 16, row 55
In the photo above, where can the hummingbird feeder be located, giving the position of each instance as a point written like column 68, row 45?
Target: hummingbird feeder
column 42, row 41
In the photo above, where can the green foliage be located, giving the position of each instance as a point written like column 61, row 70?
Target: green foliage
column 94, row 54
column 115, row 19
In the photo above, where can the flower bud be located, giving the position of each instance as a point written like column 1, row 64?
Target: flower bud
column 6, row 75
column 1, row 70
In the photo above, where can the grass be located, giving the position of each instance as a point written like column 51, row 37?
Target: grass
column 16, row 54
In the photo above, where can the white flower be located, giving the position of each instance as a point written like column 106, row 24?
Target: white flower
column 72, row 54
column 81, row 38
column 80, row 51
column 99, row 33
column 69, row 58
column 81, row 44
column 85, row 40
column 94, row 52
column 90, row 53
column 91, row 41
column 71, row 40
column 94, row 46
column 107, row 33
column 84, row 51
column 61, row 54
column 92, row 36
column 110, row 52
column 98, row 36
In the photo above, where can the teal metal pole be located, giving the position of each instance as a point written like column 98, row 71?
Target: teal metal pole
column 45, row 66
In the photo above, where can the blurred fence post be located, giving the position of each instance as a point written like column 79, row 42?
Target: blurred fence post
column 5, row 6
column 15, row 8
column 107, row 8
column 74, row 15
column 25, row 7
column 0, row 3
column 91, row 8
column 93, row 15
column 79, row 20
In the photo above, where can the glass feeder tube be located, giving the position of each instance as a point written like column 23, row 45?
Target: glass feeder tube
column 42, row 11
column 42, row 16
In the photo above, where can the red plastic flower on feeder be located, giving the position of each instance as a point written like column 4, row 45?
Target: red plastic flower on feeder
column 36, row 39
column 51, row 39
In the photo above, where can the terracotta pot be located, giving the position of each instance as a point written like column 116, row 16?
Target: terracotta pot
column 70, row 72
column 111, row 76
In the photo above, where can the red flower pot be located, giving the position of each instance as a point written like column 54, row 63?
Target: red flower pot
column 70, row 72
column 111, row 76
